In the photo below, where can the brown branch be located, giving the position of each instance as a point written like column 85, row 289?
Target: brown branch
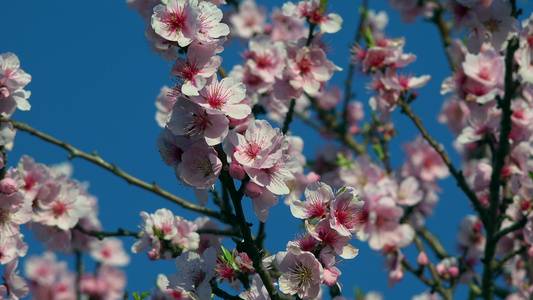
column 498, row 161
column 97, row 160
column 103, row 234
column 458, row 175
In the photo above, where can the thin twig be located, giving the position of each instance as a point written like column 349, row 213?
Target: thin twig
column 97, row 160
column 351, row 69
column 458, row 175
column 103, row 234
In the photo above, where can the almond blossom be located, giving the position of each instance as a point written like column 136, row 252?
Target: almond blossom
column 177, row 21
column 314, row 12
column 211, row 28
column 12, row 83
column 224, row 97
column 194, row 273
column 302, row 274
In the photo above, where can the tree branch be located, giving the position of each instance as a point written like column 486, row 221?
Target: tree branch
column 97, row 160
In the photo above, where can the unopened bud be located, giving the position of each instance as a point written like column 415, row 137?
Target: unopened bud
column 236, row 170
column 252, row 190
column 422, row 259
column 8, row 186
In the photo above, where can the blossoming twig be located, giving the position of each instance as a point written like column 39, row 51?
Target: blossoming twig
column 498, row 161
column 103, row 234
column 351, row 68
column 97, row 160
column 458, row 175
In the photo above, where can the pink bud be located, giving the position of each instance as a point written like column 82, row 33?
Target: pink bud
column 153, row 254
column 422, row 259
column 331, row 276
column 441, row 270
column 530, row 251
column 252, row 190
column 236, row 170
column 8, row 186
column 453, row 271
column 397, row 276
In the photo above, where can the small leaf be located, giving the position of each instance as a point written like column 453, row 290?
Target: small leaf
column 379, row 151
column 368, row 37
column 323, row 4
column 342, row 161
column 531, row 175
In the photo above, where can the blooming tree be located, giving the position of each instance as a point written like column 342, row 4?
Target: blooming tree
column 227, row 134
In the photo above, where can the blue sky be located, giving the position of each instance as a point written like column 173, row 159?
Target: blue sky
column 94, row 85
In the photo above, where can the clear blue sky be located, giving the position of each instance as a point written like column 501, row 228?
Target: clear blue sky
column 94, row 85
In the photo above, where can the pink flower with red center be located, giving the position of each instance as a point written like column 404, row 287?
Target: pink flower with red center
column 345, row 210
column 302, row 274
column 15, row 286
column 265, row 59
column 313, row 11
column 12, row 81
column 159, row 225
column 177, row 21
column 274, row 177
column 249, row 20
column 486, row 68
column 210, row 28
column 109, row 251
column 201, row 63
column 192, row 120
column 11, row 248
column 261, row 146
column 65, row 210
column 224, row 97
column 194, row 273
column 318, row 196
column 309, row 68
column 424, row 161
column 326, row 235
column 14, row 211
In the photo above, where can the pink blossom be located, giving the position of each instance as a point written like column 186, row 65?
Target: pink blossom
column 190, row 119
column 409, row 192
column 257, row 290
column 249, row 20
column 424, row 161
column 172, row 146
column 327, row 235
column 164, row 103
column 210, row 28
column 265, row 59
column 274, row 177
column 302, row 274
column 286, row 28
column 309, row 68
column 159, row 45
column 224, row 97
column 345, row 211
column 14, row 211
column 15, row 285
column 177, row 21
column 11, row 248
column 65, row 210
column 200, row 167
column 194, row 273
column 315, row 13
column 201, row 63
column 318, row 196
column 162, row 292
column 108, row 284
column 12, row 81
column 260, row 147
column 109, row 251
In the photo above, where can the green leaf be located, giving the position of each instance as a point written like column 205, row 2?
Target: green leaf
column 531, row 175
column 367, row 35
column 141, row 297
column 342, row 161
column 379, row 151
column 323, row 4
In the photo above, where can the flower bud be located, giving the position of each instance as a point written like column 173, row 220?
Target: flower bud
column 8, row 186
column 236, row 170
column 422, row 259
column 252, row 190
